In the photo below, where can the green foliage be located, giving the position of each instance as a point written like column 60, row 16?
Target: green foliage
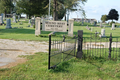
column 113, row 14
column 6, row 6
column 33, row 7
column 104, row 18
column 111, row 23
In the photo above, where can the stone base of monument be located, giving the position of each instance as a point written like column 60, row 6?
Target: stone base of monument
column 71, row 35
column 8, row 27
column 101, row 36
column 37, row 33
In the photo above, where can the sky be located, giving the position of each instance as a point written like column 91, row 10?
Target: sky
column 96, row 8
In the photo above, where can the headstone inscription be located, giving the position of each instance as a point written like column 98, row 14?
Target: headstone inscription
column 70, row 27
column 37, row 26
column 58, row 26
column 102, row 33
column 8, row 24
column 113, row 26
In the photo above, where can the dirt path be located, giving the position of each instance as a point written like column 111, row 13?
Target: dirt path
column 10, row 50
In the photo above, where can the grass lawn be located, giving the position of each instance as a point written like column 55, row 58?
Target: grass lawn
column 28, row 33
column 36, row 68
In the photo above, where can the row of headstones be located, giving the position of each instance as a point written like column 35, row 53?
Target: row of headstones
column 113, row 26
column 38, row 26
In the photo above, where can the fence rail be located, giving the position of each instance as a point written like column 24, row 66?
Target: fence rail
column 60, row 50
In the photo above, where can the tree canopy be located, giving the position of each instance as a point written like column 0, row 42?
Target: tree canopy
column 66, row 5
column 113, row 15
column 6, row 6
column 32, row 7
column 104, row 18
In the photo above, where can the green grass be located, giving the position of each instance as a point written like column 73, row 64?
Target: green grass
column 36, row 68
column 28, row 33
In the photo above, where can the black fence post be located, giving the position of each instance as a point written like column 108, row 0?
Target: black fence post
column 110, row 45
column 80, row 40
column 49, row 51
column 63, row 38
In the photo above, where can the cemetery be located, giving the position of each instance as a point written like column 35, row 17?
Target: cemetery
column 48, row 44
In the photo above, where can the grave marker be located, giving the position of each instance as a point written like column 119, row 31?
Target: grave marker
column 113, row 26
column 70, row 27
column 37, row 26
column 14, row 18
column 102, row 33
column 8, row 24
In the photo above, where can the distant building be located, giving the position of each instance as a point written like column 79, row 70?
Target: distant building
column 84, row 20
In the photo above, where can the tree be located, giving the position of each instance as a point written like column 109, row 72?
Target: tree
column 33, row 7
column 6, row 6
column 67, row 5
column 104, row 18
column 113, row 14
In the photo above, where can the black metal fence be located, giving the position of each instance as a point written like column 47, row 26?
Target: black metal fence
column 95, row 46
column 60, row 50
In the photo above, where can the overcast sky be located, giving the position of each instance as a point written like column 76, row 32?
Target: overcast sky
column 96, row 8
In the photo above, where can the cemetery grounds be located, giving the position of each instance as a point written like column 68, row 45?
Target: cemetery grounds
column 35, row 66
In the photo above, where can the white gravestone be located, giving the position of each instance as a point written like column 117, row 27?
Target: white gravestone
column 102, row 33
column 1, row 20
column 8, row 24
column 113, row 26
column 70, row 27
column 57, row 26
column 14, row 18
column 37, row 26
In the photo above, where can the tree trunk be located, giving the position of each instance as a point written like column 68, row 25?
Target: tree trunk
column 55, row 15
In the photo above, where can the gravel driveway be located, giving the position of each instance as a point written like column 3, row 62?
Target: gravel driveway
column 10, row 50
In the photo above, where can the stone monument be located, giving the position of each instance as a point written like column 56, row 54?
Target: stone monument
column 8, row 24
column 113, row 26
column 14, row 17
column 70, row 27
column 37, row 26
column 1, row 20
column 102, row 33
column 100, row 24
column 32, row 22
column 18, row 17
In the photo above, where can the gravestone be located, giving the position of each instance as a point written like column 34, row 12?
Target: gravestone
column 1, row 20
column 29, row 21
column 91, row 29
column 100, row 24
column 18, row 17
column 37, row 26
column 8, row 24
column 70, row 27
column 82, row 23
column 113, row 26
column 32, row 22
column 102, row 33
column 14, row 17
column 95, row 23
